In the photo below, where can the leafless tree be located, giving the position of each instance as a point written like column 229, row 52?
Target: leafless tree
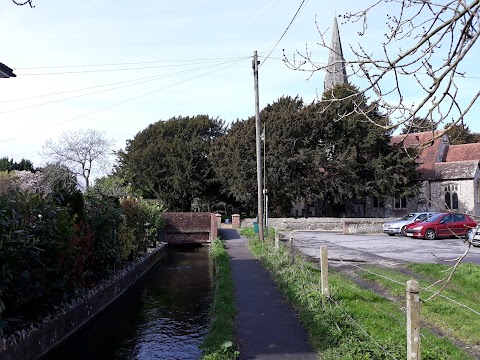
column 80, row 151
column 422, row 52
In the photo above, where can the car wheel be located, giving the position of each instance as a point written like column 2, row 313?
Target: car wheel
column 430, row 234
column 404, row 233
column 391, row 234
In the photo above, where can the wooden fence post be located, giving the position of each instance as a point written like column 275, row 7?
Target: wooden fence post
column 324, row 270
column 292, row 249
column 413, row 320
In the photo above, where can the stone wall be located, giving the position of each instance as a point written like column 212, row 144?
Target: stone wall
column 189, row 227
column 39, row 338
column 347, row 225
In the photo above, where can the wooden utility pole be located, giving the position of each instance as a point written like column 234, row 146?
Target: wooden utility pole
column 255, row 64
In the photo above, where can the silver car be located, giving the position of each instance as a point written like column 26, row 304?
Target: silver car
column 475, row 238
column 398, row 226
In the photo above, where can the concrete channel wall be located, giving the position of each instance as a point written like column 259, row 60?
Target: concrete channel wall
column 345, row 225
column 36, row 341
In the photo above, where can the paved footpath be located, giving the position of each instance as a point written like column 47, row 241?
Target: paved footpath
column 267, row 327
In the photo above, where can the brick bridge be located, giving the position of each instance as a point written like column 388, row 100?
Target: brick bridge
column 192, row 227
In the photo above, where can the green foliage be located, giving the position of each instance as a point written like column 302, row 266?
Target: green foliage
column 134, row 217
column 288, row 149
column 114, row 186
column 7, row 164
column 217, row 344
column 314, row 152
column 52, row 245
column 103, row 214
column 417, row 124
column 153, row 219
column 169, row 161
column 461, row 134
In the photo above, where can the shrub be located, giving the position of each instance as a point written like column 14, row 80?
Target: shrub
column 103, row 214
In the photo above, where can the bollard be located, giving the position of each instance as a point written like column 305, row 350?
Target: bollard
column 413, row 320
column 277, row 240
column 324, row 270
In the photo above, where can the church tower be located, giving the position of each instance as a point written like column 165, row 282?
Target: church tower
column 336, row 74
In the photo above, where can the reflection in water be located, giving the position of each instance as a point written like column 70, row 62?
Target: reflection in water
column 164, row 316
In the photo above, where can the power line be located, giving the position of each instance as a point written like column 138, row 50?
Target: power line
column 109, row 84
column 115, row 69
column 132, row 99
column 120, row 87
column 130, row 63
column 288, row 27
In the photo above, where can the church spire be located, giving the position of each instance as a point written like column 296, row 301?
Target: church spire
column 336, row 74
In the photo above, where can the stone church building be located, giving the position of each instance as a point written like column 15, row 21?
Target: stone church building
column 449, row 174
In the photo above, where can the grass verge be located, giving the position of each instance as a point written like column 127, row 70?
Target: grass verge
column 218, row 343
column 455, row 312
column 355, row 323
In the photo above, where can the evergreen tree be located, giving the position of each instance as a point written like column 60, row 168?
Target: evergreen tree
column 461, row 134
column 169, row 161
column 355, row 156
column 417, row 125
column 322, row 151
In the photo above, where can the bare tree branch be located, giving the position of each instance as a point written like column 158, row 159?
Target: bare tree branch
column 436, row 36
column 21, row 3
column 80, row 151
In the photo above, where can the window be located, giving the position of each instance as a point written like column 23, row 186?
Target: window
column 448, row 218
column 399, row 203
column 451, row 196
column 377, row 203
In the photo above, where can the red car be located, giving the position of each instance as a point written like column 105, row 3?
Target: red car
column 442, row 225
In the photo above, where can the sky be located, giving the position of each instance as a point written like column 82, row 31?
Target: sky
column 117, row 66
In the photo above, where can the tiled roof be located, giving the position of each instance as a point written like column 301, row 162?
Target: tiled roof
column 463, row 152
column 454, row 170
column 431, row 153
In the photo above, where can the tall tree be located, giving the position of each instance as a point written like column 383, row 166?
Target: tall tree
column 354, row 155
column 287, row 125
column 82, row 151
column 310, row 155
column 169, row 160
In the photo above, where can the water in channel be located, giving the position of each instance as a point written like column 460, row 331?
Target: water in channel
column 164, row 316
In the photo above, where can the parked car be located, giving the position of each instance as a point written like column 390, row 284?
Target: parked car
column 476, row 238
column 395, row 227
column 442, row 225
